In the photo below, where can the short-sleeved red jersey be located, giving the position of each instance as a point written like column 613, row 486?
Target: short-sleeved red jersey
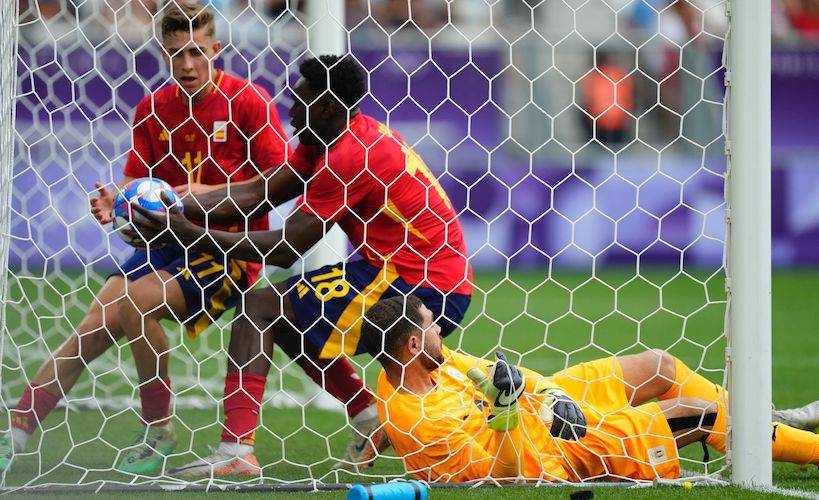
column 388, row 202
column 232, row 133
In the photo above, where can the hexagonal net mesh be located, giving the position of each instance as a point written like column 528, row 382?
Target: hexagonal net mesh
column 578, row 142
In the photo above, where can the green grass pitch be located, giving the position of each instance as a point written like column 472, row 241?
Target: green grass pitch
column 561, row 321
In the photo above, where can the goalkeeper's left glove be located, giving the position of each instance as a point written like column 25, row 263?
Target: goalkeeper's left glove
column 503, row 386
column 562, row 412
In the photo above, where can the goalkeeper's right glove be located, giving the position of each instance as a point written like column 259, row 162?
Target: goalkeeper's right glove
column 503, row 386
column 560, row 411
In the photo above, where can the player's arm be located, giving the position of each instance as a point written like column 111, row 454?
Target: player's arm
column 140, row 158
column 237, row 200
column 281, row 247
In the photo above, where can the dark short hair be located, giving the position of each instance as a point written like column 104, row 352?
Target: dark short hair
column 187, row 16
column 341, row 75
column 388, row 324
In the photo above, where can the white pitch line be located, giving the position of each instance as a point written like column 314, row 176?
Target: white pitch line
column 789, row 492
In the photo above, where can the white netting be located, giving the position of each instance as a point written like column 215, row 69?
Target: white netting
column 593, row 217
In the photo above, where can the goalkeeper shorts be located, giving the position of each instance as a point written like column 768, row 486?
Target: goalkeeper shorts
column 329, row 303
column 622, row 442
column 209, row 288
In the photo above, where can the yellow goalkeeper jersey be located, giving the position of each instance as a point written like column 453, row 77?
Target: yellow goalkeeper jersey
column 442, row 435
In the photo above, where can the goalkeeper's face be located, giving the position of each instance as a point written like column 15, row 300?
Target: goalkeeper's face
column 191, row 57
column 430, row 354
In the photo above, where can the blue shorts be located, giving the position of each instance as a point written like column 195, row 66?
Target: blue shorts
column 329, row 303
column 209, row 288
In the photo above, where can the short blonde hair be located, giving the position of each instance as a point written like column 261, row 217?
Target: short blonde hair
column 187, row 16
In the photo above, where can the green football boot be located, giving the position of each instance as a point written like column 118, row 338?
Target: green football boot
column 6, row 452
column 148, row 452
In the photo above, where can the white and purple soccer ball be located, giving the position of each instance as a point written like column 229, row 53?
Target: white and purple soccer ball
column 147, row 193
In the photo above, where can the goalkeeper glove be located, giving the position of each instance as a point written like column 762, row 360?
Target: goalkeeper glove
column 557, row 405
column 503, row 387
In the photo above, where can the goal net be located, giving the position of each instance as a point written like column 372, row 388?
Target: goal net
column 581, row 144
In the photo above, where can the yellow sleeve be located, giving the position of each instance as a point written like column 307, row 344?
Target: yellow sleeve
column 459, row 457
column 535, row 382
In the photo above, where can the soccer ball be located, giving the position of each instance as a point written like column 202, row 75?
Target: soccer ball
column 147, row 192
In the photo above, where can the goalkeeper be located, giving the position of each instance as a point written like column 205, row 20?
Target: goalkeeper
column 453, row 417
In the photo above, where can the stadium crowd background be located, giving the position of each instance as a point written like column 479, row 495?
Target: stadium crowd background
column 489, row 98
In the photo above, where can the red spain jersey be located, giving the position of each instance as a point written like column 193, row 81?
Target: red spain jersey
column 388, row 203
column 232, row 133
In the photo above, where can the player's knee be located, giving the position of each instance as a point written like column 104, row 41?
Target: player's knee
column 132, row 312
column 667, row 365
column 660, row 362
column 101, row 321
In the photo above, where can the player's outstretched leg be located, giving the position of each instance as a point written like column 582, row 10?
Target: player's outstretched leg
column 258, row 318
column 805, row 418
column 658, row 374
column 151, row 298
column 97, row 332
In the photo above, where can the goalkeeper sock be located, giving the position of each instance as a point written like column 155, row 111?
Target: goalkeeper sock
column 34, row 406
column 788, row 444
column 155, row 397
column 243, row 399
column 794, row 445
column 688, row 384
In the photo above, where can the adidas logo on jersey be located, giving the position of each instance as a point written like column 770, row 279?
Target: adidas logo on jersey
column 163, row 136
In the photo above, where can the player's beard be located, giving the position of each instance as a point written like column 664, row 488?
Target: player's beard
column 432, row 360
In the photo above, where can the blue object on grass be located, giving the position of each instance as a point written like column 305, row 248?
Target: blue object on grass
column 408, row 490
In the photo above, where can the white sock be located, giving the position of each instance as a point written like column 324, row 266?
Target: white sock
column 367, row 413
column 235, row 449
column 19, row 438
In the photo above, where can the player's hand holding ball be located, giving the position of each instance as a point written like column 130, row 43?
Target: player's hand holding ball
column 102, row 207
column 503, row 386
column 143, row 209
column 561, row 412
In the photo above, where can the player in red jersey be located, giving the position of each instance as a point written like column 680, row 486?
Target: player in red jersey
column 207, row 130
column 363, row 177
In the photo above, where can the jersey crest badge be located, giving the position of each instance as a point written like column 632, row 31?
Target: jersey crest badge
column 220, row 131
column 657, row 455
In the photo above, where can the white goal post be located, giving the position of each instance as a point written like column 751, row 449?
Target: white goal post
column 748, row 187
column 326, row 35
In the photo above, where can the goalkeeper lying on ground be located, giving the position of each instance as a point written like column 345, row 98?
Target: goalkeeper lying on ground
column 453, row 417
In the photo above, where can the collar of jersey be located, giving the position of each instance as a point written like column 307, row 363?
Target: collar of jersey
column 220, row 75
